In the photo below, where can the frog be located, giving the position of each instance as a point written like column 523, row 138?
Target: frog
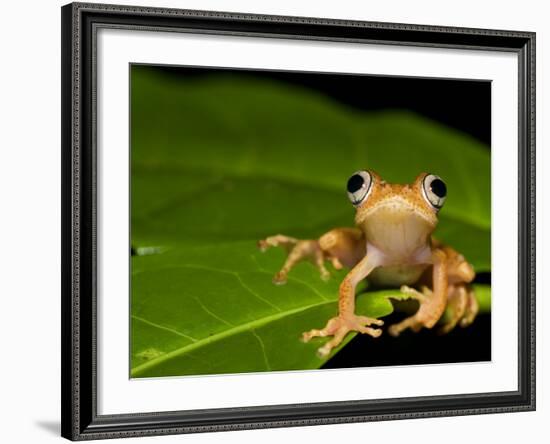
column 391, row 246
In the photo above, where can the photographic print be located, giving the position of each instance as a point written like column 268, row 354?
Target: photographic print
column 288, row 220
column 273, row 221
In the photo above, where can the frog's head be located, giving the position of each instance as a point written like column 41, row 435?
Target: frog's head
column 393, row 215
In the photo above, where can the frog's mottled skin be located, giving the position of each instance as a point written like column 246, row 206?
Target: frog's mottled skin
column 391, row 246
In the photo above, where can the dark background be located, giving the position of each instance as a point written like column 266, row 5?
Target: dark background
column 461, row 104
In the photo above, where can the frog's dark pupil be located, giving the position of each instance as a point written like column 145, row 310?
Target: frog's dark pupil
column 438, row 188
column 355, row 183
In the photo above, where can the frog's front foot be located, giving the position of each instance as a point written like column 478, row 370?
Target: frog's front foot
column 426, row 317
column 298, row 250
column 412, row 322
column 461, row 307
column 341, row 325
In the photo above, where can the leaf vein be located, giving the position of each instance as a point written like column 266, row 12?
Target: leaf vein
column 162, row 327
column 291, row 278
column 262, row 345
column 247, row 326
column 211, row 313
column 237, row 275
column 246, row 287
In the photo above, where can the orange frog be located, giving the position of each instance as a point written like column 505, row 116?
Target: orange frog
column 392, row 245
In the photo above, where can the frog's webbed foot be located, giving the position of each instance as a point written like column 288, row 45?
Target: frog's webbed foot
column 341, row 325
column 462, row 308
column 424, row 317
column 298, row 250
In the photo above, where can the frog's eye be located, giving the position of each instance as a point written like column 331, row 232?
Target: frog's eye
column 359, row 186
column 435, row 190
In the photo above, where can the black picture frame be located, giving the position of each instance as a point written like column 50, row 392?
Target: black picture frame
column 79, row 207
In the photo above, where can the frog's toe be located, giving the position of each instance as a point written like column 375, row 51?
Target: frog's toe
column 374, row 332
column 472, row 308
column 412, row 322
column 466, row 321
column 365, row 320
column 461, row 309
column 330, row 329
column 395, row 330
column 339, row 335
column 279, row 278
column 306, row 336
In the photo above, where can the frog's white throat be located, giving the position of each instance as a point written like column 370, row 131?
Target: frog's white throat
column 401, row 234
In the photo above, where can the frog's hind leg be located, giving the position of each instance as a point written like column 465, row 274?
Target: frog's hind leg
column 462, row 307
column 340, row 246
column 305, row 249
column 276, row 241
column 472, row 308
column 456, row 308
column 297, row 251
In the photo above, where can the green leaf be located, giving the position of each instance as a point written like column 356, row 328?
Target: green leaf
column 219, row 312
column 220, row 162
column 234, row 158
